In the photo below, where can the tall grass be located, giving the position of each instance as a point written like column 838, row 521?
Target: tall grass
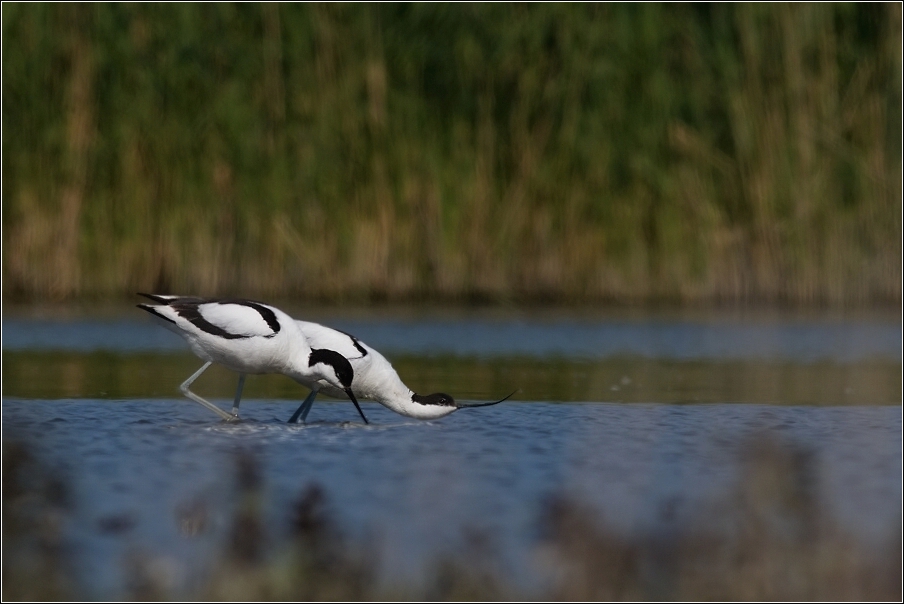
column 724, row 153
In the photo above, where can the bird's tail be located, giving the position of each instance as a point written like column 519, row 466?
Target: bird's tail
column 156, row 311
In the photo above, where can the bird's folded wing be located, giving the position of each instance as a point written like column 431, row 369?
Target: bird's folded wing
column 240, row 319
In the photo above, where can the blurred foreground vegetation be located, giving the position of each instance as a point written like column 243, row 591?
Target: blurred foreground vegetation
column 547, row 152
column 770, row 539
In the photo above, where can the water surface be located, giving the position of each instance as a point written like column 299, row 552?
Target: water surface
column 595, row 418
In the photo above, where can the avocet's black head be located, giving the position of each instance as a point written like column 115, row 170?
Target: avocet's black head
column 339, row 363
column 439, row 399
column 344, row 374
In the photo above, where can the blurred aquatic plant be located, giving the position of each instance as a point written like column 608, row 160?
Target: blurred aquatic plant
column 771, row 538
column 315, row 563
column 36, row 505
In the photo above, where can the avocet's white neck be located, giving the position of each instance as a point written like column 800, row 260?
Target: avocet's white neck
column 379, row 382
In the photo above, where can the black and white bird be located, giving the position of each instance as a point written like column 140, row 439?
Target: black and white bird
column 252, row 337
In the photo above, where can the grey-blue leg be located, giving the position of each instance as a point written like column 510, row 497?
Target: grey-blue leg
column 201, row 401
column 238, row 395
column 304, row 408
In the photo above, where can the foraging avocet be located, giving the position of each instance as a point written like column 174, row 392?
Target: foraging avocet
column 253, row 337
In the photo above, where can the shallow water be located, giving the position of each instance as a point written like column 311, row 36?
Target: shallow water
column 93, row 399
column 760, row 359
column 715, row 337
column 416, row 485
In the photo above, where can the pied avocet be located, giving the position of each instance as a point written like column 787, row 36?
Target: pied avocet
column 252, row 337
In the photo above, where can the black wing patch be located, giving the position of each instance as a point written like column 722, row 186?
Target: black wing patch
column 335, row 360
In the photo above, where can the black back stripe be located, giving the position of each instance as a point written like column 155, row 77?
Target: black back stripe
column 190, row 313
column 182, row 305
column 335, row 360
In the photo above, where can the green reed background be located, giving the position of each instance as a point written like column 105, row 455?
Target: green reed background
column 626, row 153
